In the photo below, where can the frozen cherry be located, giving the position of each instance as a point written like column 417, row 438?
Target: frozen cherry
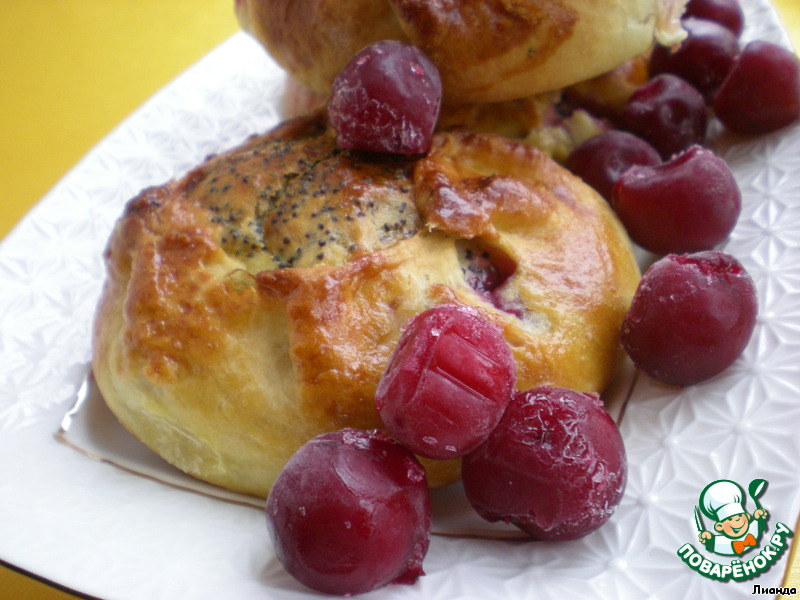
column 690, row 203
column 668, row 113
column 601, row 159
column 691, row 317
column 447, row 382
column 703, row 59
column 555, row 466
column 350, row 512
column 725, row 12
column 762, row 90
column 386, row 99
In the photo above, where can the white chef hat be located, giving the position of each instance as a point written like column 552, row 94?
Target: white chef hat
column 722, row 499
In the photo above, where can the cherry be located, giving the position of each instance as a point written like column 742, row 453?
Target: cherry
column 386, row 99
column 703, row 59
column 691, row 317
column 668, row 113
column 350, row 512
column 725, row 12
column 486, row 270
column 687, row 204
column 601, row 159
column 447, row 382
column 762, row 91
column 554, row 467
column 483, row 274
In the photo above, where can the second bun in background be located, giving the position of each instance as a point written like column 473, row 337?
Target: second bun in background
column 486, row 51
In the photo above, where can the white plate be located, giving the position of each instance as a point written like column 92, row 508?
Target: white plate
column 105, row 532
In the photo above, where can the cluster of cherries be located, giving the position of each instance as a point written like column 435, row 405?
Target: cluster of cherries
column 351, row 510
column 695, row 308
column 672, row 194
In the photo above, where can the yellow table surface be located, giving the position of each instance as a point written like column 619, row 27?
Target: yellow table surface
column 71, row 70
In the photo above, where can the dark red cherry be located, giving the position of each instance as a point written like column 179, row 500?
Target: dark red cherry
column 386, row 99
column 704, row 58
column 668, row 113
column 447, row 383
column 691, row 317
column 687, row 204
column 725, row 12
column 762, row 91
column 350, row 512
column 600, row 160
column 555, row 466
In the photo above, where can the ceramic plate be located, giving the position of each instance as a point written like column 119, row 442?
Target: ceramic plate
column 110, row 532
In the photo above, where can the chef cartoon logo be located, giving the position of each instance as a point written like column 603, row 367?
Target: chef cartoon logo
column 735, row 531
column 726, row 528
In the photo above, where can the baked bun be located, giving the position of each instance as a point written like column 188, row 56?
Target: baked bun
column 255, row 302
column 486, row 50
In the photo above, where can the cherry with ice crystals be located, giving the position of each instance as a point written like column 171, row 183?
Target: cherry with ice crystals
column 350, row 512
column 762, row 91
column 725, row 12
column 554, row 467
column 447, row 383
column 703, row 59
column 601, row 159
column 668, row 113
column 386, row 99
column 691, row 317
column 687, row 204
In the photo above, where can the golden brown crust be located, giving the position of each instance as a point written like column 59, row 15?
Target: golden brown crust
column 225, row 354
column 486, row 50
